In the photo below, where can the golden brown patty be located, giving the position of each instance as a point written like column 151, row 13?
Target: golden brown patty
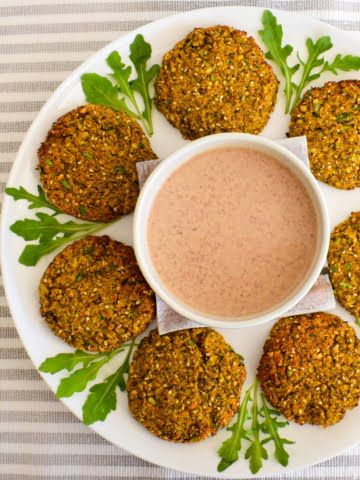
column 216, row 80
column 344, row 263
column 87, row 163
column 185, row 385
column 330, row 118
column 310, row 368
column 94, row 296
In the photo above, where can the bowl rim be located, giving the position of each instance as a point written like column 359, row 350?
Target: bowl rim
column 156, row 179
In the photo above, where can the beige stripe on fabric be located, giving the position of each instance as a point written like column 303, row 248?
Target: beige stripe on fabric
column 41, row 42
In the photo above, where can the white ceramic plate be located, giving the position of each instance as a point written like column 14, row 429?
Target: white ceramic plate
column 313, row 444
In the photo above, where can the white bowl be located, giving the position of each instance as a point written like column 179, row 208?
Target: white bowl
column 167, row 167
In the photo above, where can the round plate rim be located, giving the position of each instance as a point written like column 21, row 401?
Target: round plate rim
column 53, row 97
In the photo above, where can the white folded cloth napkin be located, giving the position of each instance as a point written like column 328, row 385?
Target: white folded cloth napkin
column 320, row 297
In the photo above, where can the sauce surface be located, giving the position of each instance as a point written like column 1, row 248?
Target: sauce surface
column 232, row 232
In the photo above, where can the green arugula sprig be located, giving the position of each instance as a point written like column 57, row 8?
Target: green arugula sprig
column 251, row 423
column 256, row 452
column 272, row 36
column 140, row 52
column 46, row 229
column 102, row 91
column 36, row 201
column 229, row 450
column 121, row 76
column 101, row 399
column 311, row 68
column 270, row 426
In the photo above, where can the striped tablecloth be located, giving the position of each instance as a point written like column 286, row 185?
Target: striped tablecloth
column 42, row 41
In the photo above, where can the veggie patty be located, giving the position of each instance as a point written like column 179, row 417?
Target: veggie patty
column 329, row 116
column 310, row 368
column 216, row 80
column 87, row 163
column 185, row 386
column 94, row 296
column 344, row 263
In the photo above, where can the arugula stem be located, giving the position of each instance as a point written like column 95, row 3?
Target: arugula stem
column 131, row 347
column 288, row 93
column 148, row 126
column 124, row 88
column 135, row 105
column 255, row 423
column 299, row 88
column 113, row 353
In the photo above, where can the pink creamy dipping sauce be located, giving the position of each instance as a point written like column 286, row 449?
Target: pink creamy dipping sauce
column 232, row 232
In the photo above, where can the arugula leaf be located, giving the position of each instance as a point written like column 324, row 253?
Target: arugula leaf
column 35, row 201
column 229, row 450
column 77, row 381
column 140, row 52
column 271, row 426
column 313, row 61
column 346, row 63
column 101, row 91
column 67, row 361
column 272, row 36
column 101, row 401
column 50, row 233
column 102, row 398
column 121, row 76
column 46, row 228
column 256, row 453
column 32, row 253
